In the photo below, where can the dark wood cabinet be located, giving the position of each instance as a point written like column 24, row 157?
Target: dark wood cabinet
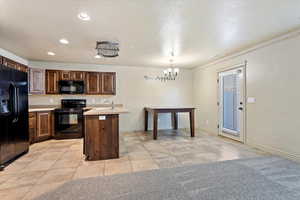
column 72, row 75
column 13, row 64
column 41, row 126
column 101, row 137
column 22, row 68
column 10, row 63
column 52, row 78
column 96, row 83
column 65, row 75
column 32, row 127
column 108, row 85
column 93, row 83
column 36, row 81
column 77, row 75
column 44, row 126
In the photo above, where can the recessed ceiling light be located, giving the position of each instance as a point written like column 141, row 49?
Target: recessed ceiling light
column 50, row 53
column 98, row 56
column 84, row 16
column 64, row 41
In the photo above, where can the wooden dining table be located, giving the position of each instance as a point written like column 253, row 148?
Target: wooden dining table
column 174, row 112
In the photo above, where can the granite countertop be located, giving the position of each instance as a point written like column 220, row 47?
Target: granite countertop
column 106, row 111
column 41, row 109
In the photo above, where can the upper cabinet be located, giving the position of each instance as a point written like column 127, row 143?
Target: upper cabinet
column 22, row 68
column 52, row 78
column 15, row 65
column 9, row 63
column 36, row 81
column 93, row 83
column 72, row 75
column 65, row 75
column 77, row 75
column 96, row 83
column 108, row 85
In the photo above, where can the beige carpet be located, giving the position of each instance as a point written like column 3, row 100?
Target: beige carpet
column 263, row 178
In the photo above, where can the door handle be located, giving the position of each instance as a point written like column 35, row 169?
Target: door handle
column 241, row 108
column 15, row 103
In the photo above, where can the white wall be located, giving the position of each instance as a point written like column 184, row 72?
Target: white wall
column 133, row 91
column 12, row 56
column 273, row 122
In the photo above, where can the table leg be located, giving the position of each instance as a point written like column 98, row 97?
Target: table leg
column 146, row 120
column 154, row 125
column 192, row 123
column 175, row 120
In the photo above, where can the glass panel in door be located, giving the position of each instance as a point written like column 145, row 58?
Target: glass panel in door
column 230, row 107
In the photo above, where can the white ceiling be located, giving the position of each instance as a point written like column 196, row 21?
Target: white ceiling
column 148, row 30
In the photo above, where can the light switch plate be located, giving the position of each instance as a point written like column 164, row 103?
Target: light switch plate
column 102, row 117
column 251, row 100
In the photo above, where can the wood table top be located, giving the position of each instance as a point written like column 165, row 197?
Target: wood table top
column 169, row 109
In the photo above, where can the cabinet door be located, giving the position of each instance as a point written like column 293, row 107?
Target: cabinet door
column 22, row 68
column 44, row 124
column 65, row 75
column 77, row 75
column 36, row 81
column 52, row 81
column 108, row 85
column 93, row 83
column 32, row 127
column 10, row 63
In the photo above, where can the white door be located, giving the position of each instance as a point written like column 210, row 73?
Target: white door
column 232, row 104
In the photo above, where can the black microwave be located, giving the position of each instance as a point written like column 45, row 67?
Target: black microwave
column 71, row 87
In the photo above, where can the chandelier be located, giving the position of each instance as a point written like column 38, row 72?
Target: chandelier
column 171, row 73
column 107, row 49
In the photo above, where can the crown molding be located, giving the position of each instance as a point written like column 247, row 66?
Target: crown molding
column 265, row 43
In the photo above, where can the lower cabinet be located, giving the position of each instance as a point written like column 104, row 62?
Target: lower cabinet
column 32, row 127
column 41, row 126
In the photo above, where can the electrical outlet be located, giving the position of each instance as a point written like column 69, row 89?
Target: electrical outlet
column 51, row 100
column 206, row 122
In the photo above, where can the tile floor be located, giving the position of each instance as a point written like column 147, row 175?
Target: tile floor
column 51, row 163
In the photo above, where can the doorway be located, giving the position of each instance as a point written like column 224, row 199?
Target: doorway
column 231, row 103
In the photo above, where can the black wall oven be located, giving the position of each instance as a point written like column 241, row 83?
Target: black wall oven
column 69, row 119
column 71, row 87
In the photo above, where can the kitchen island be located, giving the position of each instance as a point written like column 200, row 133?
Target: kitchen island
column 101, row 138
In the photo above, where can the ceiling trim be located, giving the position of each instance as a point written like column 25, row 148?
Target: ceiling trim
column 265, row 43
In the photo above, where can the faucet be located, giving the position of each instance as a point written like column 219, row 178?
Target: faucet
column 112, row 105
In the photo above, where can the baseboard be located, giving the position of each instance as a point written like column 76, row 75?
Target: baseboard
column 266, row 148
column 275, row 151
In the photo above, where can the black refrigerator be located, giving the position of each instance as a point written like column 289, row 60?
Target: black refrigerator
column 14, row 135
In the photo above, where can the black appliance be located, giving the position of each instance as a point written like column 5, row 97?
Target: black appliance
column 71, row 87
column 14, row 135
column 69, row 119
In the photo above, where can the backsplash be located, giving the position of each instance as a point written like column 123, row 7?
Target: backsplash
column 56, row 99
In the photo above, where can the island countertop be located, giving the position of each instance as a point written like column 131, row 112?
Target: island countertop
column 106, row 111
column 41, row 109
